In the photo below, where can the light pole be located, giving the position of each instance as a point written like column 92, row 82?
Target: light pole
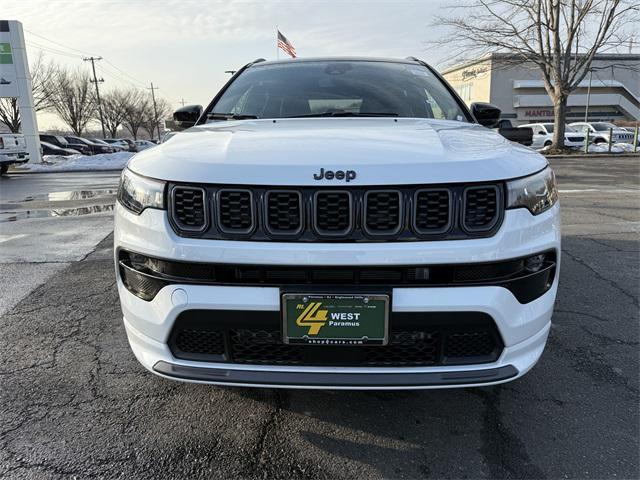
column 586, row 108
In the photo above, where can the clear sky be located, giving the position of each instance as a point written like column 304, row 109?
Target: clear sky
column 185, row 46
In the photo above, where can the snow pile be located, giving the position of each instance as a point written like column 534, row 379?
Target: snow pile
column 625, row 147
column 102, row 161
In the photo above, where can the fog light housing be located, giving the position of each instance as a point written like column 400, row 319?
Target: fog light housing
column 142, row 285
column 535, row 263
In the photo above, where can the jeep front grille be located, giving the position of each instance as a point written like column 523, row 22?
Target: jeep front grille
column 312, row 214
column 283, row 214
column 432, row 213
column 333, row 211
column 481, row 208
column 382, row 212
column 236, row 211
column 189, row 209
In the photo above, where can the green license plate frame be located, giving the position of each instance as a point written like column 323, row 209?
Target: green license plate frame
column 335, row 319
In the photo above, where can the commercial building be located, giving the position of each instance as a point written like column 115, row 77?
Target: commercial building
column 518, row 89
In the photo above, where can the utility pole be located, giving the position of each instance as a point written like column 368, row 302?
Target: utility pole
column 586, row 108
column 182, row 101
column 95, row 81
column 155, row 109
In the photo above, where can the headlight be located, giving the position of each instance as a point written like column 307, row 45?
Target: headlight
column 537, row 193
column 137, row 193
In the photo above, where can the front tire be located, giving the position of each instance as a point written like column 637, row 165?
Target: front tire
column 4, row 168
column 547, row 143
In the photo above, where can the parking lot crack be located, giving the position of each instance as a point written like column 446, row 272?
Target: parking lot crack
column 581, row 262
column 505, row 454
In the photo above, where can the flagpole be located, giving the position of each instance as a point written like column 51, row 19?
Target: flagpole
column 277, row 49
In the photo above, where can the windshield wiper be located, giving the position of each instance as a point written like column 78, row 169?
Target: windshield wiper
column 346, row 114
column 230, row 116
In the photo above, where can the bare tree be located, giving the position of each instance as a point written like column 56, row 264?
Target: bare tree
column 136, row 112
column 560, row 37
column 73, row 99
column 43, row 77
column 114, row 109
column 155, row 117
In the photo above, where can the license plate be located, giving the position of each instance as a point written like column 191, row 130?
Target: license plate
column 335, row 319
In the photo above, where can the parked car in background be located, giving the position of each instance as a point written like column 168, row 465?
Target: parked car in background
column 95, row 147
column 57, row 140
column 126, row 144
column 543, row 135
column 519, row 135
column 116, row 147
column 13, row 149
column 144, row 144
column 599, row 131
column 47, row 148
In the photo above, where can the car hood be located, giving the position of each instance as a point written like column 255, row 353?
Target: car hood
column 382, row 151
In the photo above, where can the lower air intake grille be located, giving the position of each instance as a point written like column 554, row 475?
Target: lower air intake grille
column 189, row 210
column 481, row 208
column 415, row 339
column 235, row 211
column 333, row 213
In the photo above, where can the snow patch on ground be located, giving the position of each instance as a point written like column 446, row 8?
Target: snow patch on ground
column 600, row 148
column 57, row 163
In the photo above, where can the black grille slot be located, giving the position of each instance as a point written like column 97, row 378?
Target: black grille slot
column 432, row 212
column 263, row 347
column 406, row 349
column 236, row 211
column 383, row 212
column 481, row 208
column 189, row 211
column 333, row 213
column 203, row 342
column 284, row 212
column 469, row 344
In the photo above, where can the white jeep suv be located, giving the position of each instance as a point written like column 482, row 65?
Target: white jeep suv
column 338, row 223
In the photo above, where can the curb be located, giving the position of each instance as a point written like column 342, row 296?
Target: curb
column 601, row 155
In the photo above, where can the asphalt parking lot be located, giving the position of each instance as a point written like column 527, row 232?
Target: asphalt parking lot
column 74, row 402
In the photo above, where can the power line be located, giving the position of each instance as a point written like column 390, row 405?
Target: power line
column 57, row 43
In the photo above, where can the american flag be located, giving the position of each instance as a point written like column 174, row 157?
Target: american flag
column 285, row 45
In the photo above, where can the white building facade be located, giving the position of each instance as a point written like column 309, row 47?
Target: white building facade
column 518, row 89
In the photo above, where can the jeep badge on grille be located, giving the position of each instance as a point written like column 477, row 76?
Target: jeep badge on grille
column 347, row 175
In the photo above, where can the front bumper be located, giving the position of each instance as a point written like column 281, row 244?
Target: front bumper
column 523, row 327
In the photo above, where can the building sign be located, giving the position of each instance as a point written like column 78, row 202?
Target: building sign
column 473, row 73
column 8, row 77
column 15, row 82
column 539, row 113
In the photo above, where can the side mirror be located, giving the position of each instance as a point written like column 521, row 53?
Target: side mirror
column 486, row 114
column 187, row 116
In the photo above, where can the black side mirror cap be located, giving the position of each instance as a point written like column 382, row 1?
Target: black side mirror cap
column 187, row 116
column 486, row 114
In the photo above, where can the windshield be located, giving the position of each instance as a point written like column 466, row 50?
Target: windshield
column 340, row 88
column 601, row 127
